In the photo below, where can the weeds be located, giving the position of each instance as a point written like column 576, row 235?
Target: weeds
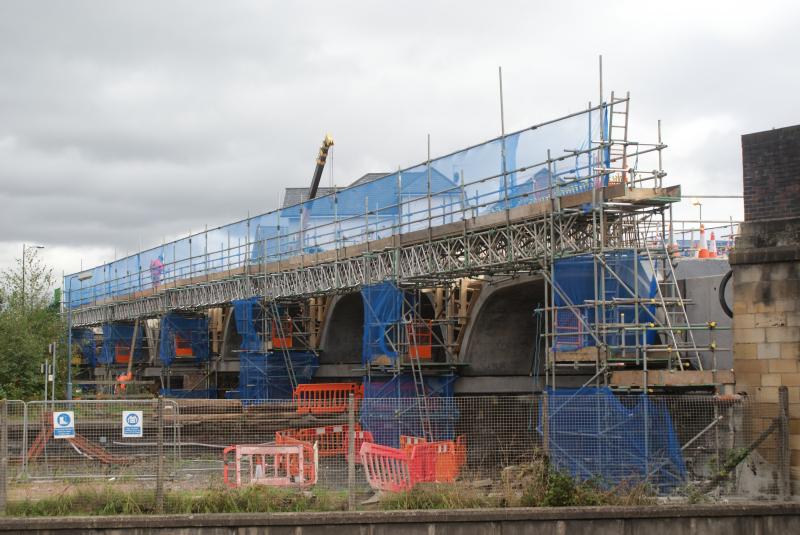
column 106, row 501
column 439, row 496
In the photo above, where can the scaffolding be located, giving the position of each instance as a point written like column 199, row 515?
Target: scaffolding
column 575, row 189
column 614, row 305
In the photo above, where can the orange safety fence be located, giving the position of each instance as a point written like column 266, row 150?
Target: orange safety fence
column 399, row 469
column 285, row 465
column 301, row 467
column 326, row 398
column 331, row 439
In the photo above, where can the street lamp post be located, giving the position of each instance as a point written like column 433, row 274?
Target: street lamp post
column 696, row 202
column 25, row 248
column 81, row 277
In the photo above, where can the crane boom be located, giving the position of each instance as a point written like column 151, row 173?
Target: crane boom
column 327, row 143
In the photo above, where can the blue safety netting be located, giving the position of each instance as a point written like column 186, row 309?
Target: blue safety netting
column 249, row 321
column 383, row 305
column 390, row 408
column 83, row 338
column 190, row 329
column 498, row 174
column 577, row 286
column 119, row 336
column 628, row 439
column 264, row 375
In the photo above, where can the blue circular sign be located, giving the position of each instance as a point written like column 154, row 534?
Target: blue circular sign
column 132, row 419
column 63, row 419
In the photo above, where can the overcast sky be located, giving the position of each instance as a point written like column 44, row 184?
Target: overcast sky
column 130, row 122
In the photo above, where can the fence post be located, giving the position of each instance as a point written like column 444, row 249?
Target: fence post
column 3, row 455
column 351, row 453
column 545, row 423
column 784, row 454
column 160, row 457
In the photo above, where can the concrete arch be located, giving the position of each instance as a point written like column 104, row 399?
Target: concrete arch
column 340, row 340
column 501, row 334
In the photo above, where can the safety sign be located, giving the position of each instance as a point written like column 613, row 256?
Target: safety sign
column 132, row 424
column 64, row 424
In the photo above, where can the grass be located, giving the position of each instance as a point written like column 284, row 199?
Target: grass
column 439, row 496
column 531, row 485
column 108, row 501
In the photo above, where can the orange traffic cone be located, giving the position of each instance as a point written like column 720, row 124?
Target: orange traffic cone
column 712, row 246
column 703, row 247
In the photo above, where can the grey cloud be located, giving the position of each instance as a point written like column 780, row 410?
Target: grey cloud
column 127, row 121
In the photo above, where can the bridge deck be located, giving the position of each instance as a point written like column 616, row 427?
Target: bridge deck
column 498, row 242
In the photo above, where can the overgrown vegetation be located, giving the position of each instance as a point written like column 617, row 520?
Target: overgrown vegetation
column 29, row 321
column 109, row 501
column 440, row 496
column 531, row 485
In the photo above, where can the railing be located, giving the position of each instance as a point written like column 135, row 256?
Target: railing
column 463, row 185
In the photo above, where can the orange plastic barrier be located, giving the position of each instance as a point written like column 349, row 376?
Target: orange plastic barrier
column 326, row 398
column 420, row 339
column 450, row 458
column 393, row 469
column 287, row 465
column 388, row 469
column 331, row 439
column 285, row 341
column 304, row 466
column 122, row 353
column 408, row 442
column 183, row 347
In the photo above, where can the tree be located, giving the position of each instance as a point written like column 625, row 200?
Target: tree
column 28, row 323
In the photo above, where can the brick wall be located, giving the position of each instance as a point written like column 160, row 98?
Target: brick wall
column 771, row 167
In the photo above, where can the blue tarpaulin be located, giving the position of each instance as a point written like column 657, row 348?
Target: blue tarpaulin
column 263, row 375
column 249, row 316
column 192, row 330
column 120, row 335
column 383, row 305
column 595, row 434
column 390, row 408
column 574, row 277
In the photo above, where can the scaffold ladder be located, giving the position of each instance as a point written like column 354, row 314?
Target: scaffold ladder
column 618, row 134
column 418, row 377
column 675, row 314
column 277, row 323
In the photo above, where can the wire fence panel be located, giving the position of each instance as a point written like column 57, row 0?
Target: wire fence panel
column 208, row 427
column 100, row 439
column 671, row 444
column 15, row 421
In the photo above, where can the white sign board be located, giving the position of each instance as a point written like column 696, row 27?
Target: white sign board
column 132, row 424
column 64, row 424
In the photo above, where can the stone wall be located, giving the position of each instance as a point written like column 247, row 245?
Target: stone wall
column 766, row 278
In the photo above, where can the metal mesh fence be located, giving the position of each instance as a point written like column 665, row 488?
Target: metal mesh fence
column 15, row 413
column 673, row 444
column 100, row 439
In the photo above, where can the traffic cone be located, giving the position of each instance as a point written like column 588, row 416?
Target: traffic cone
column 712, row 246
column 703, row 247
